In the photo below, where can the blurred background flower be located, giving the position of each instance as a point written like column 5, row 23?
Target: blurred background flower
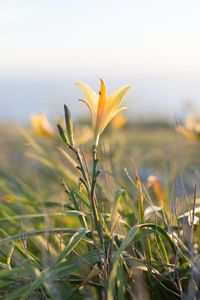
column 191, row 129
column 119, row 121
column 41, row 125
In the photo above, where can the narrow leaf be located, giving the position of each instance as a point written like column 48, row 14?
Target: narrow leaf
column 75, row 239
column 116, row 261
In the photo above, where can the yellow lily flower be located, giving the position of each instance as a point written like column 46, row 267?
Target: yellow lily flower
column 191, row 129
column 41, row 125
column 103, row 109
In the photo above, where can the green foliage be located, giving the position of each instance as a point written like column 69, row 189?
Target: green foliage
column 69, row 231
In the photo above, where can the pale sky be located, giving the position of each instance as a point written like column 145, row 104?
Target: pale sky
column 154, row 45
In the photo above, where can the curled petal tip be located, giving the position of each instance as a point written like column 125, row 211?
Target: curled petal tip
column 80, row 84
column 128, row 86
column 103, row 88
column 102, row 84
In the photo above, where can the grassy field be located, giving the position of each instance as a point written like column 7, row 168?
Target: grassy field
column 134, row 239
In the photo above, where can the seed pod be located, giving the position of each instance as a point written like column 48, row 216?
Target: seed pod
column 62, row 134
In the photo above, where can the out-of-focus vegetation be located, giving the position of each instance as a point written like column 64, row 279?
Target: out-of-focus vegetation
column 48, row 248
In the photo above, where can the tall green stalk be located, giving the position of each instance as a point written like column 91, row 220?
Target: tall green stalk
column 93, row 199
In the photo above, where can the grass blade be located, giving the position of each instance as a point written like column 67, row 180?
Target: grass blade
column 75, row 239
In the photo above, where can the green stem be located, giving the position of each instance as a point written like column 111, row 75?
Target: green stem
column 81, row 166
column 95, row 208
column 96, row 140
column 91, row 190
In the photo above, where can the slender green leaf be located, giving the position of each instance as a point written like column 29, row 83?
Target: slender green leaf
column 75, row 239
column 81, row 197
column 37, row 233
column 116, row 261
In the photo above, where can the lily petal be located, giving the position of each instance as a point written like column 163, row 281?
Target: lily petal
column 110, row 117
column 90, row 94
column 101, row 105
column 91, row 111
column 114, row 100
column 116, row 97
